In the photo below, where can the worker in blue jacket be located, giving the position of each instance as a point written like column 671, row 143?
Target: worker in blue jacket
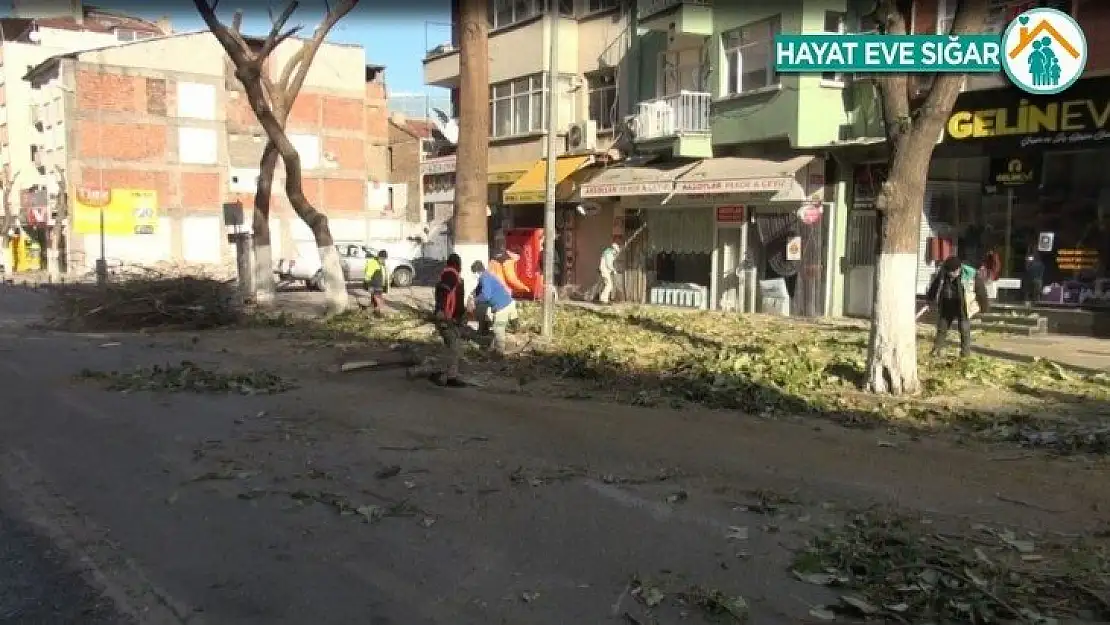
column 493, row 302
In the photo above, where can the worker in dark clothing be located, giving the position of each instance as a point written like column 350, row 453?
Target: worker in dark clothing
column 958, row 294
column 450, row 316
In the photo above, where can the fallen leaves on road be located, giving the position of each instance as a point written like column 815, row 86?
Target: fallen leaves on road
column 189, row 377
column 144, row 300
column 768, row 366
column 909, row 571
column 712, row 603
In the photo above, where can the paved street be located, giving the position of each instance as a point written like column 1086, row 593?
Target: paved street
column 487, row 508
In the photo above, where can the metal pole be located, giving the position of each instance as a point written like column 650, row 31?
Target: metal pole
column 102, row 262
column 548, row 327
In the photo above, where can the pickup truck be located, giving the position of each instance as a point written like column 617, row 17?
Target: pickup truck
column 305, row 267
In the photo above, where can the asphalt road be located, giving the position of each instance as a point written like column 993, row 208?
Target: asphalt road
column 40, row 586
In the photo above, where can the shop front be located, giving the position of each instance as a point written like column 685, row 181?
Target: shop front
column 522, row 207
column 734, row 234
column 1021, row 186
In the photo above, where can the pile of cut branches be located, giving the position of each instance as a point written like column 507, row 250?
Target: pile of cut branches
column 189, row 377
column 146, row 301
column 909, row 571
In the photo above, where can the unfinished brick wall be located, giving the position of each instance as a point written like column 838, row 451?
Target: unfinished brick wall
column 404, row 156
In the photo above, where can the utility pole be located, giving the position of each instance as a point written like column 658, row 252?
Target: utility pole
column 548, row 327
column 472, row 161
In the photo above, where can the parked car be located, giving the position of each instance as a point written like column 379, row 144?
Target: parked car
column 352, row 256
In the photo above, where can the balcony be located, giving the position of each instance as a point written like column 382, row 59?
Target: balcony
column 694, row 17
column 441, row 66
column 678, row 122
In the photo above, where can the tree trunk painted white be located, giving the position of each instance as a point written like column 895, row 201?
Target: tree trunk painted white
column 53, row 269
column 470, row 252
column 333, row 282
column 892, row 351
column 265, row 288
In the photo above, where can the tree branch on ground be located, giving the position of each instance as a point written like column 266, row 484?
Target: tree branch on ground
column 913, row 122
column 271, row 103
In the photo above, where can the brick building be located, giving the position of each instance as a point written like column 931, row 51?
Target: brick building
column 167, row 115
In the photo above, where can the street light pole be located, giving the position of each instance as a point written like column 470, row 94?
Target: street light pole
column 548, row 326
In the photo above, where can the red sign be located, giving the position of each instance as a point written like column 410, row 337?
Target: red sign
column 810, row 213
column 93, row 196
column 734, row 214
column 36, row 216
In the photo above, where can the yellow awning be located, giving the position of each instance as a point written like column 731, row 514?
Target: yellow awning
column 507, row 173
column 531, row 187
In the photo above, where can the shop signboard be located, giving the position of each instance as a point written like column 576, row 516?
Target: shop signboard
column 1011, row 172
column 626, row 188
column 126, row 211
column 740, row 185
column 1009, row 120
column 731, row 214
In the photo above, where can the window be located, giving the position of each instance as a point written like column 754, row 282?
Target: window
column 749, row 55
column 835, row 25
column 519, row 106
column 595, row 6
column 602, row 88
column 504, row 13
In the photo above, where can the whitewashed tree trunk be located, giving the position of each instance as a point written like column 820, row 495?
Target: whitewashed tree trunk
column 333, row 282
column 265, row 288
column 892, row 349
column 53, row 267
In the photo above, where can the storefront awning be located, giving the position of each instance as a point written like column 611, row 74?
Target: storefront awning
column 507, row 173
column 744, row 175
column 531, row 188
column 635, row 180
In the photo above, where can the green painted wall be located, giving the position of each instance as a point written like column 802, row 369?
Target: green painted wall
column 806, row 109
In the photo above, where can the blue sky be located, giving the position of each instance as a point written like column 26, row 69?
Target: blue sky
column 393, row 36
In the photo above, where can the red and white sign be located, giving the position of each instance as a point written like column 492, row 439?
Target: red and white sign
column 741, row 185
column 732, row 214
column 627, row 188
column 36, row 216
column 811, row 213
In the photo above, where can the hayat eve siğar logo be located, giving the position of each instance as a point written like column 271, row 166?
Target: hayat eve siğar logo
column 1045, row 51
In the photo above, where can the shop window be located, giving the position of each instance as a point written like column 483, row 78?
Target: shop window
column 749, row 56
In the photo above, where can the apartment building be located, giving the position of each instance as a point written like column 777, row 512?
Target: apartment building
column 156, row 135
column 36, row 32
column 594, row 36
column 1015, row 177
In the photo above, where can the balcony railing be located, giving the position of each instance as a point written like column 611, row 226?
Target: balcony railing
column 647, row 8
column 684, row 113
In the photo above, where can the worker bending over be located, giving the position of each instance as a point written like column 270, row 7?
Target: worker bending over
column 493, row 304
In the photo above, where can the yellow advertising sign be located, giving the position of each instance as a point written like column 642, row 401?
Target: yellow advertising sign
column 126, row 211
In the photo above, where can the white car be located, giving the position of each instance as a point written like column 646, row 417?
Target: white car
column 305, row 266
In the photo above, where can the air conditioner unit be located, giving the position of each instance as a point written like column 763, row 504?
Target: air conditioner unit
column 582, row 137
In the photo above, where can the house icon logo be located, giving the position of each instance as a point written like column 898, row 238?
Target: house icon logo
column 1045, row 51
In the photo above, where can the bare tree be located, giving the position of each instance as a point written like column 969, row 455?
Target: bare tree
column 7, row 184
column 271, row 100
column 471, row 191
column 54, row 261
column 913, row 123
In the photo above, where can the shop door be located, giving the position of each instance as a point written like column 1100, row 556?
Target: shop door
column 859, row 263
column 730, row 269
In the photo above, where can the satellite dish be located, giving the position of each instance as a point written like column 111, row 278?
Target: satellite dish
column 446, row 126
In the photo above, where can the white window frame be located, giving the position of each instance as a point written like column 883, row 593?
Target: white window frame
column 835, row 78
column 603, row 85
column 505, row 13
column 734, row 48
column 528, row 92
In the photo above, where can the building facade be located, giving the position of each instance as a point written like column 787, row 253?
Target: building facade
column 163, row 122
column 1016, row 181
